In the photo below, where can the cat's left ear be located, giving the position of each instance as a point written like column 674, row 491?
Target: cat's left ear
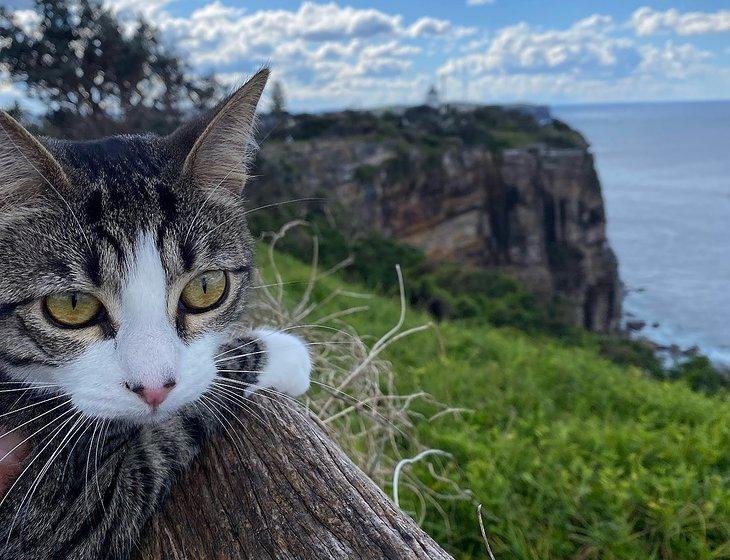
column 222, row 141
column 27, row 169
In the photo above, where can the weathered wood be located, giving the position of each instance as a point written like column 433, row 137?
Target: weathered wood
column 287, row 492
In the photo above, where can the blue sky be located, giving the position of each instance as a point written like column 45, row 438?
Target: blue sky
column 366, row 53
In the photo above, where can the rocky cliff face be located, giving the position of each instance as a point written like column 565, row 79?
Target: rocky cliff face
column 535, row 212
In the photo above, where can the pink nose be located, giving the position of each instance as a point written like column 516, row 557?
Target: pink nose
column 153, row 396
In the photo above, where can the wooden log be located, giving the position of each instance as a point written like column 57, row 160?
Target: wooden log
column 277, row 487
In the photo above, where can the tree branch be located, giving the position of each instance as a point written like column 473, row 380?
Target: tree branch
column 282, row 491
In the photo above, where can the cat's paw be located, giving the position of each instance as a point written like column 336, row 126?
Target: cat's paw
column 287, row 366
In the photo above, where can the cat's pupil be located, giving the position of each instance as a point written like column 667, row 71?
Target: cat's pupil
column 74, row 300
column 204, row 284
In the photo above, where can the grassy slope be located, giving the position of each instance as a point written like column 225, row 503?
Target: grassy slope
column 572, row 456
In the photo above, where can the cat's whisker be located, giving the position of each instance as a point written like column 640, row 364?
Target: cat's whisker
column 16, row 410
column 239, row 356
column 293, row 201
column 345, row 396
column 287, row 329
column 220, row 394
column 213, row 411
column 39, row 453
column 235, row 390
column 28, row 383
column 236, row 385
column 210, row 194
column 218, row 398
column 275, row 395
column 249, row 388
column 76, row 428
column 284, row 203
column 242, row 403
column 240, row 400
column 27, row 388
column 70, row 455
column 99, row 446
column 28, row 422
column 260, row 286
column 88, row 461
column 237, row 381
column 265, row 404
column 80, row 422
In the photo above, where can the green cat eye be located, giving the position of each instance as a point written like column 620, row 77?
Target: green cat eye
column 205, row 291
column 72, row 309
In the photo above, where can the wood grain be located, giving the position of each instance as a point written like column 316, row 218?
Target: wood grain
column 283, row 490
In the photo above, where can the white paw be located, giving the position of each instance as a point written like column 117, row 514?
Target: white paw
column 288, row 365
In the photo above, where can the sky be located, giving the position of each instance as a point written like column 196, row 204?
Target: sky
column 370, row 53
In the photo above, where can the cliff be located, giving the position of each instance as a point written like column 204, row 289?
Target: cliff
column 486, row 187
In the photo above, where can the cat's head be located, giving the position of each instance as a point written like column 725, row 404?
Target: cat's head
column 124, row 260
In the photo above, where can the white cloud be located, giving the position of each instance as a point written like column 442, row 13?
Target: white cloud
column 218, row 32
column 585, row 47
column 646, row 21
column 588, row 61
column 479, row 2
column 389, row 59
column 323, row 46
column 674, row 61
column 331, row 55
column 432, row 27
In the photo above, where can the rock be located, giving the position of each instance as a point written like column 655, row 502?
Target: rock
column 536, row 212
column 635, row 325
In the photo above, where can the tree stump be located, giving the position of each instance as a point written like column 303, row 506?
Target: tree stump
column 276, row 487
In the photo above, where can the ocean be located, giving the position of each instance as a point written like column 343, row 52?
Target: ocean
column 665, row 171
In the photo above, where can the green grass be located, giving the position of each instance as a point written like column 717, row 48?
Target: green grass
column 573, row 456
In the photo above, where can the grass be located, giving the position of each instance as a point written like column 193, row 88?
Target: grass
column 571, row 455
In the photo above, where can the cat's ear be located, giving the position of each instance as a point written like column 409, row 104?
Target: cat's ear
column 26, row 167
column 223, row 144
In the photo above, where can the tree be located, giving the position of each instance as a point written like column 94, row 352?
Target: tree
column 95, row 75
column 278, row 100
column 277, row 488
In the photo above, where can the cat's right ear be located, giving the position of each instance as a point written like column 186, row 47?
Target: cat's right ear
column 218, row 145
column 26, row 167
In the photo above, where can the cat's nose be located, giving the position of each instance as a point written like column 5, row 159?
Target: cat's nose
column 153, row 396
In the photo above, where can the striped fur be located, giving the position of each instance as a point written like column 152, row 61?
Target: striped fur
column 93, row 503
column 131, row 220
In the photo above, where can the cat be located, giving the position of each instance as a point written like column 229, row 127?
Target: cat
column 125, row 272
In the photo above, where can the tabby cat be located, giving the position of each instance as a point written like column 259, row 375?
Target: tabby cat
column 125, row 270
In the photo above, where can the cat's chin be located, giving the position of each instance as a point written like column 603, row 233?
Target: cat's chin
column 157, row 417
column 137, row 418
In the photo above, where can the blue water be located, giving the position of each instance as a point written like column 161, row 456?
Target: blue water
column 665, row 171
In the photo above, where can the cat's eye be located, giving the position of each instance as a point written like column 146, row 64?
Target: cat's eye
column 73, row 309
column 205, row 291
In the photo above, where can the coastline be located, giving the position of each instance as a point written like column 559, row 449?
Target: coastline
column 667, row 197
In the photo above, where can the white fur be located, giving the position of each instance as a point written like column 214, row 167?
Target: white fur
column 147, row 343
column 288, row 364
column 147, row 350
